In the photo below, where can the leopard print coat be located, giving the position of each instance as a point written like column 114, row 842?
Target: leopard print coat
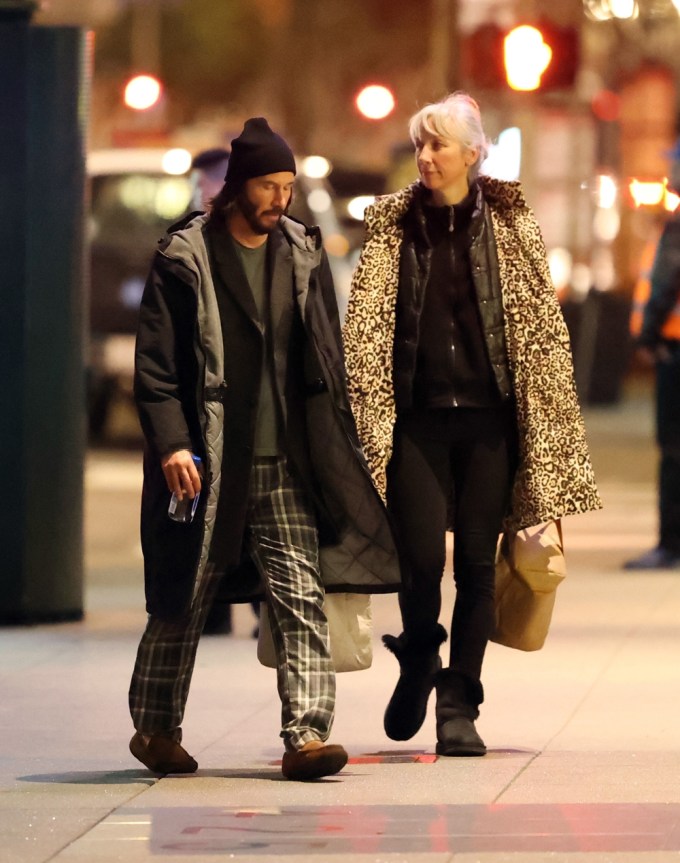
column 555, row 476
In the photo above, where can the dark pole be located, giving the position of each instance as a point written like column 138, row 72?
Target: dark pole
column 14, row 20
column 43, row 113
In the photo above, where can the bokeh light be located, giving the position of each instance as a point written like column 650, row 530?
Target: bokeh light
column 357, row 206
column 176, row 161
column 319, row 201
column 375, row 102
column 142, row 92
column 316, row 167
column 606, row 105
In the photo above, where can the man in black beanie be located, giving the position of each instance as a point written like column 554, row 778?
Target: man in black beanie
column 256, row 152
column 239, row 364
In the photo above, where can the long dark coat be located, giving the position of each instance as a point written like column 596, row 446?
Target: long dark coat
column 197, row 375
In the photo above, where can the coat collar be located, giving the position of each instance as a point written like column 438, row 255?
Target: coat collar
column 279, row 272
column 280, row 265
column 415, row 220
column 291, row 249
column 388, row 211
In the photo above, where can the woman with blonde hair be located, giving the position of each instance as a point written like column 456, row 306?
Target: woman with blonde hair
column 461, row 380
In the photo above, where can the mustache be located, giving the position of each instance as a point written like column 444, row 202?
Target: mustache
column 275, row 211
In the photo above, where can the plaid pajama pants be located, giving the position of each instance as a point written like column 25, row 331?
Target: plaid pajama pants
column 282, row 539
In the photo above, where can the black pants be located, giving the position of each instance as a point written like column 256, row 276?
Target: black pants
column 466, row 458
column 668, row 436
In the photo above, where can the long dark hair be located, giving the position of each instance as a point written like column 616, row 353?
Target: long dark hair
column 221, row 206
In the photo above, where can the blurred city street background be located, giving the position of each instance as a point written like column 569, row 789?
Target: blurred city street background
column 587, row 134
column 106, row 103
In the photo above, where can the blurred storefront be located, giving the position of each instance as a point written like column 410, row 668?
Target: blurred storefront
column 593, row 151
column 587, row 142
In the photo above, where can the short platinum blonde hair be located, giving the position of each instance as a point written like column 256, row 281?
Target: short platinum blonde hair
column 455, row 118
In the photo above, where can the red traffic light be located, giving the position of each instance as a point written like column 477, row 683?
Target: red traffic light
column 492, row 57
column 526, row 56
column 482, row 57
column 566, row 55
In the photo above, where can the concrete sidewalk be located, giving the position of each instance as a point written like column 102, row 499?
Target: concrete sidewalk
column 584, row 738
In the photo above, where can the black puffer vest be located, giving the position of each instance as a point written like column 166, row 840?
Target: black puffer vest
column 414, row 269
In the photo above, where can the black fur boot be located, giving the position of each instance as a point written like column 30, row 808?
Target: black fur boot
column 458, row 700
column 419, row 662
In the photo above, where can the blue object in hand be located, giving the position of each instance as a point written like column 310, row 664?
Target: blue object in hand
column 184, row 510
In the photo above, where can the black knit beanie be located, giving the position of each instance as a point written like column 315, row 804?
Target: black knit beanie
column 257, row 151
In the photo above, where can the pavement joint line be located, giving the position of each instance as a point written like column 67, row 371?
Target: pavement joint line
column 520, row 772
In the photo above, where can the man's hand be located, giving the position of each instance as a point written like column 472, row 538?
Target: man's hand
column 181, row 474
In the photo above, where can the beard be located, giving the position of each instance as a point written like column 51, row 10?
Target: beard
column 250, row 214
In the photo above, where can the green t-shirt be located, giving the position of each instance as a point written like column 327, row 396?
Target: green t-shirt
column 254, row 262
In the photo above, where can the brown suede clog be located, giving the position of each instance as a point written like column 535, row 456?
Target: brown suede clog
column 162, row 754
